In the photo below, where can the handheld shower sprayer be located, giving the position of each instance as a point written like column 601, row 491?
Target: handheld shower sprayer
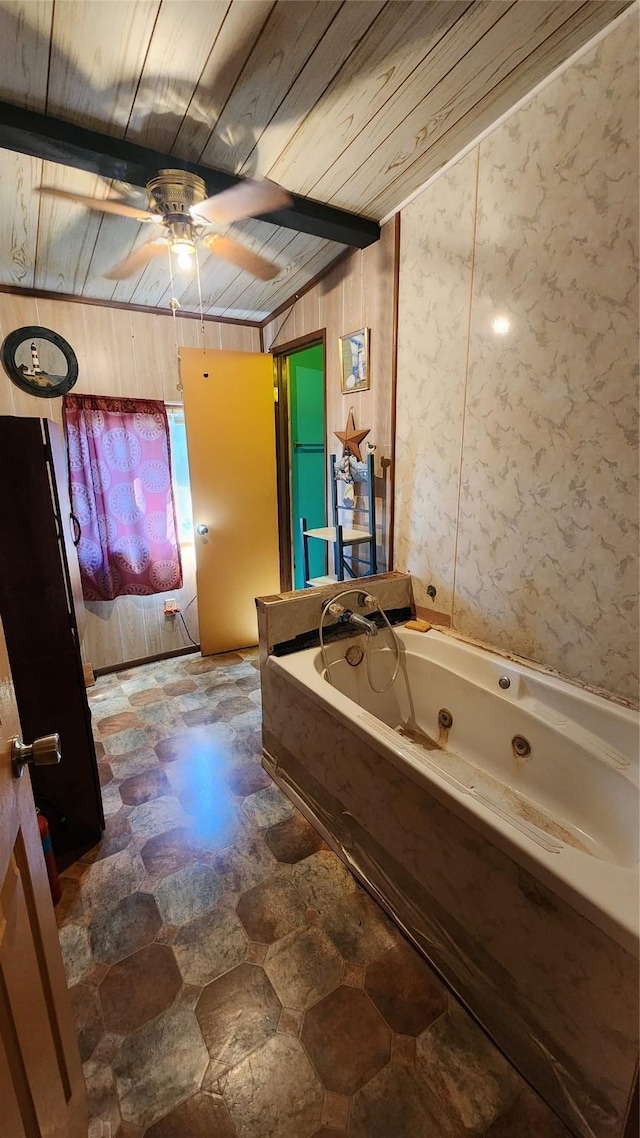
column 346, row 616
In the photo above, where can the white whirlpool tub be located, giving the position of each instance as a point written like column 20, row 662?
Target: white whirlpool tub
column 499, row 824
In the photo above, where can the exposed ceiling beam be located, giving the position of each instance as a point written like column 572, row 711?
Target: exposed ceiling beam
column 54, row 140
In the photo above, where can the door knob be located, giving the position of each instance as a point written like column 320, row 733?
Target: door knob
column 202, row 529
column 43, row 752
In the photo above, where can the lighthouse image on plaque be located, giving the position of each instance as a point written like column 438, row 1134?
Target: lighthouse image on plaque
column 37, row 374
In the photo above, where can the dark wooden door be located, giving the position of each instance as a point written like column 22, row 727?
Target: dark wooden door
column 36, row 607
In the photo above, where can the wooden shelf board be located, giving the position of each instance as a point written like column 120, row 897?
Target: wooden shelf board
column 349, row 536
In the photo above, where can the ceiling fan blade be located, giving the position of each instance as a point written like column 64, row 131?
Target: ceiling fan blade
column 105, row 205
column 248, row 199
column 242, row 257
column 137, row 260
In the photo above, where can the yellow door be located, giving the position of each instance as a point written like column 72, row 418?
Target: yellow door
column 42, row 1091
column 230, row 421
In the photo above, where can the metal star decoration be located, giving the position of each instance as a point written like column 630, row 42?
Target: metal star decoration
column 350, row 437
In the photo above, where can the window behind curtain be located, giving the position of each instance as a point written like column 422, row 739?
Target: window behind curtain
column 180, row 473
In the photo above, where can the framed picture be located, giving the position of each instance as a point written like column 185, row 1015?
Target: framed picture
column 39, row 361
column 354, row 361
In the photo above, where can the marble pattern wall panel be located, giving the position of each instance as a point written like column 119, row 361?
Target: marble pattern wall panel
column 547, row 540
column 433, row 325
column 539, row 555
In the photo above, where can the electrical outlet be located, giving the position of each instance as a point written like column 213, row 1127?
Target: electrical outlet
column 171, row 607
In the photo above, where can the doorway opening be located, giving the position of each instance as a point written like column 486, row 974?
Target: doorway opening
column 301, row 453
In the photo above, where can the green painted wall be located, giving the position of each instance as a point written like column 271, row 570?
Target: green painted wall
column 308, row 460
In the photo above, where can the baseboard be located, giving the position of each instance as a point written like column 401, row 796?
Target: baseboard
column 122, row 667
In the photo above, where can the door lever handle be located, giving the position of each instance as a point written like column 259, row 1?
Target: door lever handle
column 43, row 752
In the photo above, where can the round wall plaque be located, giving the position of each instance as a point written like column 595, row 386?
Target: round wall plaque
column 39, row 361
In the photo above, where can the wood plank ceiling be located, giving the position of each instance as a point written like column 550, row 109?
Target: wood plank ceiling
column 354, row 103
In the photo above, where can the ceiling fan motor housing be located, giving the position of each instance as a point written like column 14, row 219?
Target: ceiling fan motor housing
column 174, row 192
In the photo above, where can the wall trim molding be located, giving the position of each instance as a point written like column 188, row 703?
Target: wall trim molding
column 43, row 294
column 316, row 337
column 66, row 297
column 394, row 388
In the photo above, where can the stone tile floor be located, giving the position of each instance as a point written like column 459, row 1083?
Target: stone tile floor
column 229, row 978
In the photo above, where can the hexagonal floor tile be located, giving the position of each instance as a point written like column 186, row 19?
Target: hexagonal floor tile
column 148, row 695
column 248, row 778
column 237, row 1012
column 210, row 945
column 130, row 925
column 245, row 864
column 107, row 881
column 76, row 952
column 275, row 1091
column 124, row 741
column 229, row 708
column 389, row 1104
column 335, row 1110
column 70, row 903
column 293, row 839
column 271, row 910
column 358, row 928
column 142, row 787
column 346, row 1039
column 201, row 716
column 461, row 1072
column 134, row 762
column 205, row 746
column 249, row 682
column 87, row 1016
column 527, row 1117
column 201, row 664
column 159, row 814
column 139, row 988
column 303, row 968
column 122, row 721
column 105, row 774
column 322, row 880
column 102, row 1094
column 167, row 852
column 180, row 687
column 214, row 822
column 188, row 893
column 405, row 990
column 111, row 800
column 160, row 1066
column 267, row 807
column 199, row 1117
column 115, row 837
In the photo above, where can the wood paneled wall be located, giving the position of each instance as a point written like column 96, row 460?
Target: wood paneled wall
column 358, row 293
column 121, row 353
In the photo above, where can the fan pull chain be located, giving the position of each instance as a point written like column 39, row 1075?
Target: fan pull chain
column 173, row 305
column 204, row 346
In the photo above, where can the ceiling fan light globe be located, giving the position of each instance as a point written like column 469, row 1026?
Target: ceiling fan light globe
column 185, row 258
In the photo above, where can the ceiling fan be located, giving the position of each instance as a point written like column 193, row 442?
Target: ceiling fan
column 178, row 201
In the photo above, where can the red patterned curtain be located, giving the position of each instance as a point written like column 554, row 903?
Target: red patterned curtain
column 121, row 493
